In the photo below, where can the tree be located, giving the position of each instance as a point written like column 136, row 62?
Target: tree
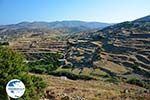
column 12, row 66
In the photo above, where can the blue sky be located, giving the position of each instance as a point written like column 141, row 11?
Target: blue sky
column 111, row 11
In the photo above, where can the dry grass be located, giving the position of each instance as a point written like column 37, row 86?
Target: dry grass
column 88, row 90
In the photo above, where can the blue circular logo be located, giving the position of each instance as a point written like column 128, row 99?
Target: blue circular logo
column 15, row 88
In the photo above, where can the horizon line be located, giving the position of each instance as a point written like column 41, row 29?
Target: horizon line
column 88, row 21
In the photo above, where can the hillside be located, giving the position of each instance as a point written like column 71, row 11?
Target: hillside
column 118, row 55
column 61, row 88
column 120, row 50
column 128, row 44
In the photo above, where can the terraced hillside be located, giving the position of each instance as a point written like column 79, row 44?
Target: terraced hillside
column 128, row 44
column 116, row 55
column 124, row 46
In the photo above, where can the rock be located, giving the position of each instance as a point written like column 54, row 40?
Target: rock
column 65, row 98
column 146, row 91
column 63, row 78
column 126, row 91
column 50, row 95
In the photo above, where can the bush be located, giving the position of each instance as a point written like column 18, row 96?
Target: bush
column 4, row 43
column 38, row 69
column 42, row 68
column 34, row 87
column 106, row 76
column 113, row 80
column 136, row 81
column 70, row 75
column 12, row 66
column 46, row 65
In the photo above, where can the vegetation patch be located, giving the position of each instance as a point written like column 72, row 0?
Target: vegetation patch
column 45, row 63
column 12, row 66
column 138, row 82
column 71, row 75
column 39, row 67
column 113, row 80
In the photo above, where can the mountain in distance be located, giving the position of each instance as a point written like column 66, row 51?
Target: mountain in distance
column 57, row 27
column 81, row 25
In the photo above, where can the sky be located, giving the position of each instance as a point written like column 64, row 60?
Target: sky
column 110, row 11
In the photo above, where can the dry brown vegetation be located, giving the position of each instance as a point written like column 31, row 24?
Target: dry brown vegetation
column 60, row 88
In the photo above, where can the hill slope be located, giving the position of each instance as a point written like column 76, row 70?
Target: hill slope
column 126, row 44
column 116, row 53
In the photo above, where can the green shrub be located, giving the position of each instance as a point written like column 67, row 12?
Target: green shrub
column 12, row 66
column 34, row 87
column 113, row 80
column 49, row 63
column 42, row 68
column 38, row 69
column 70, row 75
column 136, row 81
column 4, row 43
column 106, row 76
